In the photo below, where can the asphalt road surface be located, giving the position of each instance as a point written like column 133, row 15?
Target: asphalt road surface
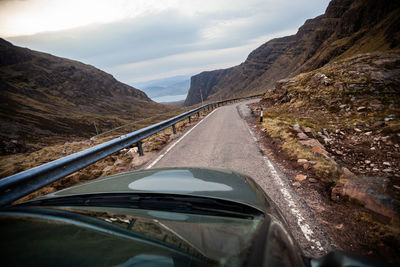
column 223, row 139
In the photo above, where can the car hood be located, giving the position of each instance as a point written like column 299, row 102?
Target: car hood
column 202, row 182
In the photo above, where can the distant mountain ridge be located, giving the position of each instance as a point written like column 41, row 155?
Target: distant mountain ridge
column 348, row 27
column 44, row 95
column 177, row 85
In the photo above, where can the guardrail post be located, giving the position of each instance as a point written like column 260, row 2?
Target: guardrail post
column 140, row 148
column 198, row 114
column 261, row 114
column 190, row 120
column 173, row 128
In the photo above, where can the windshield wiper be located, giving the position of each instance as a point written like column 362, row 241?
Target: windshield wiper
column 163, row 202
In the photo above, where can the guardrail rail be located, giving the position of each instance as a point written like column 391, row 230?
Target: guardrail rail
column 21, row 184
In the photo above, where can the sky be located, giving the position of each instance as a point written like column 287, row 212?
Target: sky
column 142, row 40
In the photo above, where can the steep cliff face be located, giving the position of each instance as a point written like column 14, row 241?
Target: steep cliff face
column 348, row 27
column 205, row 83
column 43, row 95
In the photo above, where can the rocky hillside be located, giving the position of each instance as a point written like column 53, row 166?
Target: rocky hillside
column 338, row 127
column 343, row 120
column 348, row 27
column 45, row 96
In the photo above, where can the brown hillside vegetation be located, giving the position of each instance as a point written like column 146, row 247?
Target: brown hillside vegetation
column 47, row 99
column 339, row 125
column 348, row 27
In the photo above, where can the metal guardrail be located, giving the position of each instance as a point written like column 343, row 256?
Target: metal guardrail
column 18, row 185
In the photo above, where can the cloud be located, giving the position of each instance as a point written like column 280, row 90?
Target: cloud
column 120, row 42
column 189, row 62
column 178, row 36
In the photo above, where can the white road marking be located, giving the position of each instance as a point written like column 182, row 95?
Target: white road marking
column 252, row 135
column 305, row 228
column 174, row 144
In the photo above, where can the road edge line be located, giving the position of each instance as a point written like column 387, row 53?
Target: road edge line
column 301, row 222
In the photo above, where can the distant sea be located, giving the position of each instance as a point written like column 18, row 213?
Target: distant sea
column 169, row 98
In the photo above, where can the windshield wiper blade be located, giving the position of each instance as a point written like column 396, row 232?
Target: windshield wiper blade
column 164, row 202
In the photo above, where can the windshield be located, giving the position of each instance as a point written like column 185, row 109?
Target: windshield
column 183, row 238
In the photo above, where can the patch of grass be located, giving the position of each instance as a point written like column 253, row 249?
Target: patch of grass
column 281, row 128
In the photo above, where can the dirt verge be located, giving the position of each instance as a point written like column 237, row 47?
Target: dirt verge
column 352, row 227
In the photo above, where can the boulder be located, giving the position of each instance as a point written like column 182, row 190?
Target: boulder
column 322, row 79
column 310, row 132
column 296, row 184
column 301, row 177
column 131, row 152
column 297, row 128
column 302, row 161
column 315, row 145
column 370, row 191
column 348, row 174
column 302, row 136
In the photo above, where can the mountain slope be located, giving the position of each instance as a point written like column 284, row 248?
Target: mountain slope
column 348, row 27
column 339, row 126
column 43, row 95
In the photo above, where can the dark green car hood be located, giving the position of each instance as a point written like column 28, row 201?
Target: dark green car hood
column 214, row 183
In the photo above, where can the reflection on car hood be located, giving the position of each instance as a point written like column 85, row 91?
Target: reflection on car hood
column 215, row 183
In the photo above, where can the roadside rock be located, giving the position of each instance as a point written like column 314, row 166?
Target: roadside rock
column 300, row 177
column 348, row 174
column 297, row 128
column 118, row 162
column 320, row 78
column 132, row 152
column 302, row 161
column 302, row 136
column 315, row 145
column 370, row 191
column 310, row 131
column 339, row 226
column 296, row 184
column 108, row 168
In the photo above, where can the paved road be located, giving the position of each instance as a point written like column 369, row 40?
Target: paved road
column 223, row 139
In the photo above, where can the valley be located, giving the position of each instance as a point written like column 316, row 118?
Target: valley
column 47, row 100
column 329, row 135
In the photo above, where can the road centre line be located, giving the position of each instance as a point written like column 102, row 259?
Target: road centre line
column 174, row 144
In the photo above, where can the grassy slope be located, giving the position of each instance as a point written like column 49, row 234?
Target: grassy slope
column 45, row 98
column 358, row 92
